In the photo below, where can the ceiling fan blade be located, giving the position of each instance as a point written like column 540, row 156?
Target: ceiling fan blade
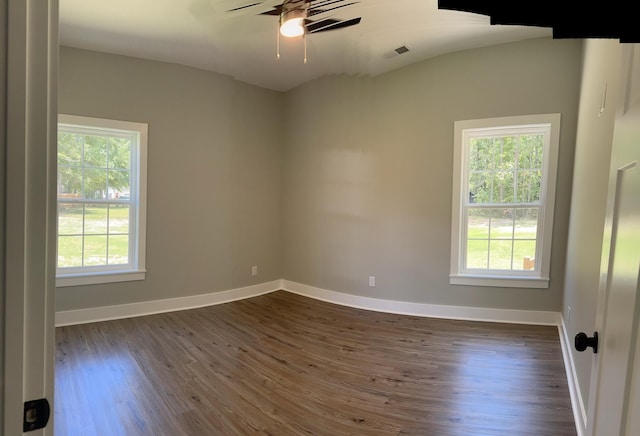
column 313, row 26
column 320, row 10
column 277, row 10
column 330, row 24
column 244, row 7
column 323, row 3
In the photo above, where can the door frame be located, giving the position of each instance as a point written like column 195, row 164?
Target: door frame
column 597, row 377
column 28, row 198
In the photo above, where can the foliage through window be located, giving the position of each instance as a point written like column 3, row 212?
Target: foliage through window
column 101, row 192
column 503, row 207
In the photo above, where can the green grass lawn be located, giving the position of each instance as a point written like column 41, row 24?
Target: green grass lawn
column 105, row 241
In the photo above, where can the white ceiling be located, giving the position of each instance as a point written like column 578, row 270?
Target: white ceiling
column 243, row 44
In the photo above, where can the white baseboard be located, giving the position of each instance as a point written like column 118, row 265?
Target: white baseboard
column 105, row 313
column 579, row 411
column 422, row 309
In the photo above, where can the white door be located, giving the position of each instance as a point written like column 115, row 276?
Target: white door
column 614, row 402
column 29, row 48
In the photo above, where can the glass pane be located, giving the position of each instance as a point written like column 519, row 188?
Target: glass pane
column 95, row 151
column 477, row 254
column 119, row 153
column 69, row 149
column 118, row 219
column 69, row 182
column 529, row 186
column 95, row 250
column 524, row 255
column 526, row 224
column 118, row 250
column 95, row 219
column 500, row 254
column 119, row 185
column 478, row 223
column 70, row 219
column 504, row 149
column 530, row 152
column 95, row 184
column 481, row 154
column 502, row 187
column 69, row 251
column 479, row 183
column 502, row 224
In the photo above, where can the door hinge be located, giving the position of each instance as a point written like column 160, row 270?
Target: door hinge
column 36, row 414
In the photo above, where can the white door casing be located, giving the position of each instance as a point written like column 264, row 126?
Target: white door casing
column 614, row 399
column 30, row 66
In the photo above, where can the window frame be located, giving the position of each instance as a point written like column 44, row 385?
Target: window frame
column 135, row 268
column 539, row 277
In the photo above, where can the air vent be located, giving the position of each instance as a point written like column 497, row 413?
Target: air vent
column 402, row 50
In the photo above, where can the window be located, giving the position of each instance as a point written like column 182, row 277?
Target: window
column 503, row 189
column 101, row 200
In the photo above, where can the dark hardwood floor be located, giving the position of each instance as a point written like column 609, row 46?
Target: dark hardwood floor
column 282, row 364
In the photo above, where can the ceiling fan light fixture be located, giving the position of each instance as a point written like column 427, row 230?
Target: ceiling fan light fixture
column 292, row 17
column 292, row 26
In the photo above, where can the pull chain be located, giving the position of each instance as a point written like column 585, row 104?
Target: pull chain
column 304, row 38
column 278, row 42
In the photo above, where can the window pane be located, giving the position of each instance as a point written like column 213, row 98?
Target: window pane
column 95, row 151
column 477, row 254
column 529, row 182
column 69, row 149
column 481, row 154
column 501, row 224
column 530, row 151
column 479, row 186
column 95, row 250
column 119, row 153
column 478, row 223
column 526, row 224
column 526, row 231
column 524, row 252
column 502, row 187
column 118, row 250
column 70, row 219
column 95, row 219
column 95, row 184
column 69, row 182
column 499, row 234
column 118, row 219
column 119, row 185
column 500, row 254
column 504, row 152
column 69, row 251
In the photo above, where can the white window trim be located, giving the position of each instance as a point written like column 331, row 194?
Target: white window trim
column 135, row 271
column 525, row 279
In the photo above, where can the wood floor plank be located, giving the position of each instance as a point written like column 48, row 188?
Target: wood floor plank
column 283, row 364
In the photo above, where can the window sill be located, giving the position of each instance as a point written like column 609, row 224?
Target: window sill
column 98, row 278
column 499, row 281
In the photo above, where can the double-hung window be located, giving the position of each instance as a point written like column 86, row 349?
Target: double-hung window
column 101, row 189
column 503, row 189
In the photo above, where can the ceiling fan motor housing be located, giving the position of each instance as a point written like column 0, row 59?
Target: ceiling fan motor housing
column 293, row 10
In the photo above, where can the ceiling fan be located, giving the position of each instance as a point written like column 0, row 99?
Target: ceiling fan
column 294, row 16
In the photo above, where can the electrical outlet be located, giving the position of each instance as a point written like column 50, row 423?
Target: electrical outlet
column 254, row 270
column 372, row 281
